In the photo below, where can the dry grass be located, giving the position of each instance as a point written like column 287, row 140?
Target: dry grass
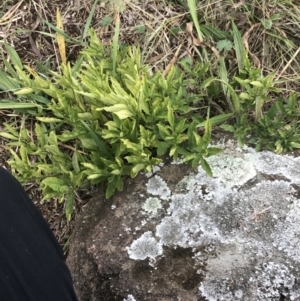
column 165, row 33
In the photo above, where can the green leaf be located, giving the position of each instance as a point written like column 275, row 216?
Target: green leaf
column 115, row 44
column 110, row 190
column 212, row 151
column 106, row 20
column 140, row 29
column 75, row 162
column 131, row 145
column 259, row 102
column 238, row 46
column 257, row 84
column 101, row 145
column 206, row 167
column 24, row 91
column 216, row 119
column 15, row 59
column 121, row 110
column 171, row 116
column 7, row 83
column 56, row 184
column 267, row 23
column 70, row 198
column 8, row 136
column 17, row 105
column 136, row 169
column 119, row 184
column 162, row 148
column 49, row 119
column 228, row 128
column 244, row 95
column 87, row 25
column 163, row 131
column 224, row 45
column 295, row 144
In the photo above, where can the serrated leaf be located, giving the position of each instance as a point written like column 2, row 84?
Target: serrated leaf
column 224, row 45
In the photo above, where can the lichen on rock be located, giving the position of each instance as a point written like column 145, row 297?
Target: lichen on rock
column 178, row 234
column 129, row 298
column 145, row 247
column 152, row 205
column 242, row 226
column 157, row 186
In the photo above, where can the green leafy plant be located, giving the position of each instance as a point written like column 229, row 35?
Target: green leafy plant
column 269, row 121
column 105, row 118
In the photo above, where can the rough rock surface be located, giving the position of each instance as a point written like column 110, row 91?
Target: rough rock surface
column 179, row 235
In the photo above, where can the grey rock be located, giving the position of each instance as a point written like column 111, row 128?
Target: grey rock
column 180, row 235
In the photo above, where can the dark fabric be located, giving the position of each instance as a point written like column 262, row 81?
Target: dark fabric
column 32, row 267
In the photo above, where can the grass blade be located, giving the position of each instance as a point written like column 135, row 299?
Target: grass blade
column 115, row 44
column 216, row 120
column 15, row 59
column 16, row 105
column 89, row 20
column 6, row 82
column 193, row 11
column 238, row 46
column 224, row 77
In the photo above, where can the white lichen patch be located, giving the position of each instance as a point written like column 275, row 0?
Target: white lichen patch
column 145, row 247
column 287, row 235
column 152, row 205
column 243, row 225
column 187, row 226
column 274, row 164
column 272, row 281
column 157, row 186
column 129, row 298
column 231, row 170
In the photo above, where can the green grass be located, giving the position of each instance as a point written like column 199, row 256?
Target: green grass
column 116, row 110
